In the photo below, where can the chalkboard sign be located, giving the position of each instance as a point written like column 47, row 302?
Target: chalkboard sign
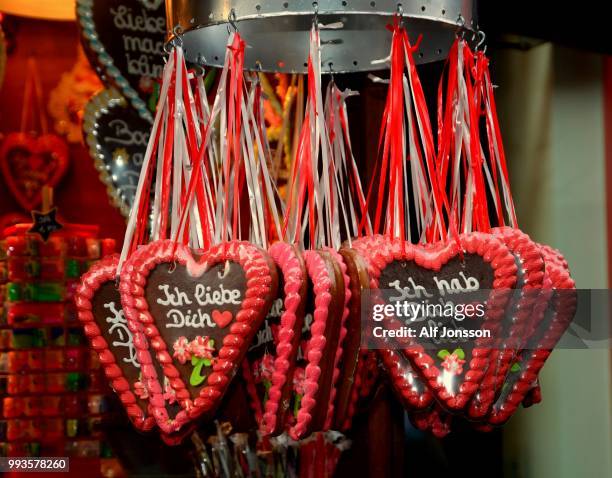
column 124, row 40
column 117, row 139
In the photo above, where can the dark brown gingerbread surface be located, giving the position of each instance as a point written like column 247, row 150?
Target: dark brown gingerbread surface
column 188, row 309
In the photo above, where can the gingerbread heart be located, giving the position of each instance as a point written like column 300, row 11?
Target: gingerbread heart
column 519, row 317
column 30, row 162
column 470, row 262
column 271, row 357
column 316, row 371
column 124, row 40
column 554, row 311
column 353, row 357
column 99, row 310
column 117, row 140
column 173, row 295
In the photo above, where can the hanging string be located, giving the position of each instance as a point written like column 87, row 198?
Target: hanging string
column 310, row 213
column 33, row 88
column 406, row 175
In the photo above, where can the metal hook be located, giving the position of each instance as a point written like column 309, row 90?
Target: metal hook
column 481, row 39
column 178, row 35
column 400, row 14
column 198, row 70
column 231, row 20
column 315, row 17
column 176, row 41
column 331, row 71
column 460, row 27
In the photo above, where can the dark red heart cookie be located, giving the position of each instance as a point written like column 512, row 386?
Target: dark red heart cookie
column 346, row 280
column 353, row 358
column 471, row 262
column 556, row 309
column 518, row 320
column 174, row 295
column 30, row 162
column 271, row 357
column 99, row 310
column 316, row 367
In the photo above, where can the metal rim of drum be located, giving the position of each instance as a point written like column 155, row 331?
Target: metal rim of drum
column 276, row 31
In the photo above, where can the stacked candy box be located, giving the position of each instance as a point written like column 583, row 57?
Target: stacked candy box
column 51, row 392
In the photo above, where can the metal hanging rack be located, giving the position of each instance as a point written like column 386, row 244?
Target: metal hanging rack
column 276, row 31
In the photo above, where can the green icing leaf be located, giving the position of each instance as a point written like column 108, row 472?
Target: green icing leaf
column 443, row 354
column 459, row 353
column 515, row 367
column 196, row 377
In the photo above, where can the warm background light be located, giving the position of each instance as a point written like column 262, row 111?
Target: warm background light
column 44, row 9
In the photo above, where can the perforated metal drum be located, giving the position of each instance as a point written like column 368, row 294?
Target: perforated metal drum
column 276, row 31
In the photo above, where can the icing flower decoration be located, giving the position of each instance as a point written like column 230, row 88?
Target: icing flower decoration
column 140, row 390
column 298, row 380
column 202, row 347
column 452, row 362
column 169, row 392
column 266, row 366
column 182, row 349
column 202, row 350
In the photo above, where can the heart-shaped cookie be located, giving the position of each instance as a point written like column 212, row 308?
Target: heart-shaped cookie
column 124, row 41
column 316, row 369
column 272, row 355
column 469, row 263
column 353, row 358
column 519, row 317
column 99, row 310
column 30, row 162
column 117, row 140
column 172, row 295
column 554, row 312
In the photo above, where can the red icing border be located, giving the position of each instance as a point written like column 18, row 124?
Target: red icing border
column 256, row 301
column 286, row 257
column 343, row 331
column 316, row 269
column 380, row 251
column 402, row 384
column 532, row 266
column 105, row 271
column 532, row 361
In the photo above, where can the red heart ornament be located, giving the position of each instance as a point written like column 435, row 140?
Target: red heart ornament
column 222, row 319
column 520, row 317
column 317, row 371
column 271, row 358
column 172, row 295
column 353, row 357
column 99, row 310
column 453, row 377
column 28, row 163
column 554, row 312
